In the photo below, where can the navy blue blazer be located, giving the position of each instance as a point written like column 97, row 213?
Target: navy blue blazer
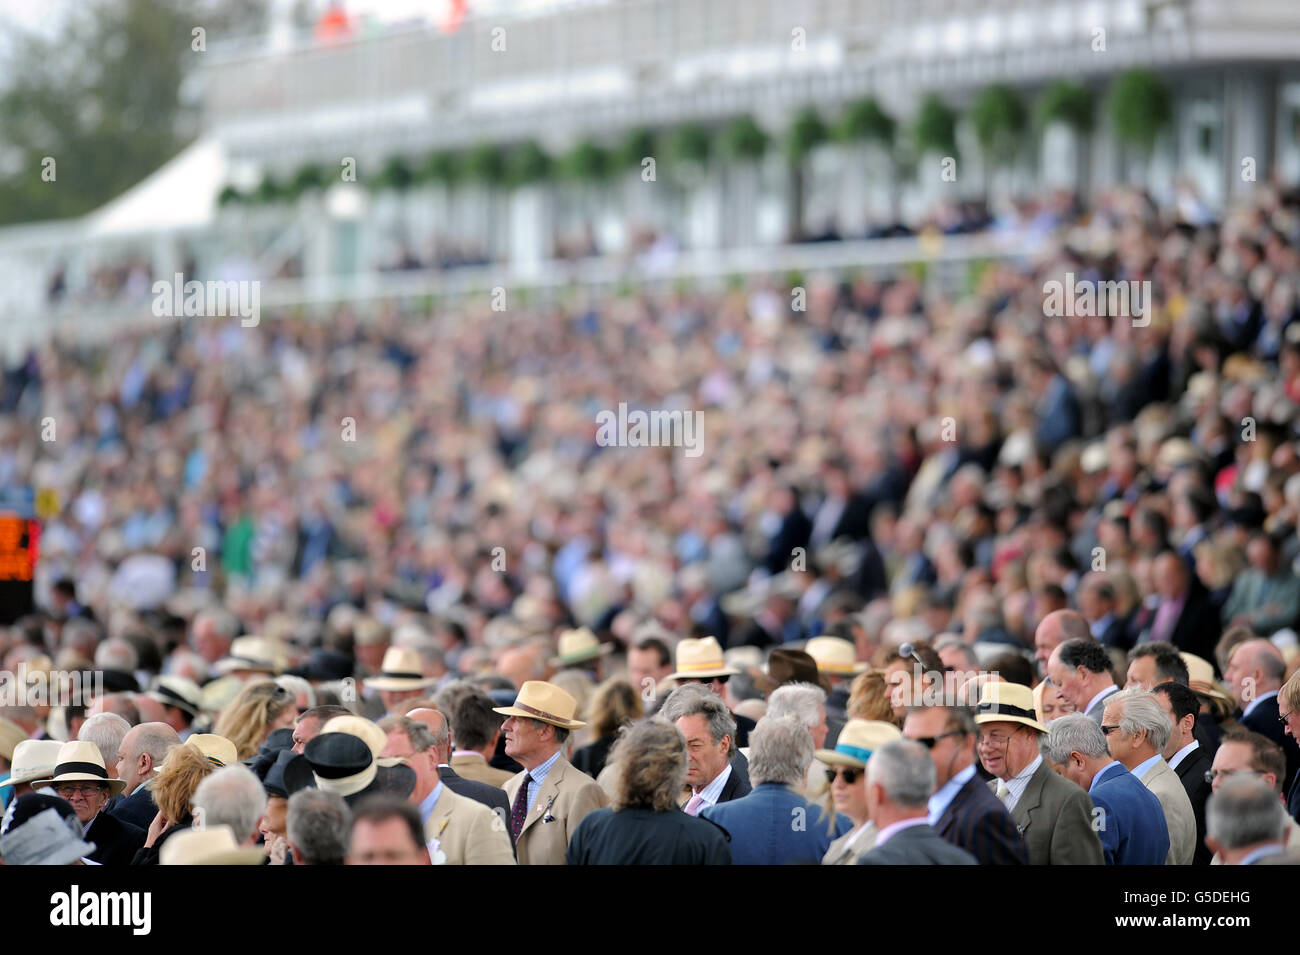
column 138, row 809
column 1131, row 822
column 977, row 821
column 1266, row 719
column 774, row 825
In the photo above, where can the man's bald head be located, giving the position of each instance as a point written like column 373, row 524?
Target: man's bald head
column 1256, row 667
column 437, row 724
column 1057, row 627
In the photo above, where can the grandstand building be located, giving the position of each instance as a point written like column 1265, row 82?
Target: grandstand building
column 557, row 75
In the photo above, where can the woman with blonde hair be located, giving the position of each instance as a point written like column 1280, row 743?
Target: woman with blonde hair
column 173, row 792
column 869, row 698
column 615, row 705
column 261, row 707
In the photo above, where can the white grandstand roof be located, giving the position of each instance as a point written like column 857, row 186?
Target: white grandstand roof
column 180, row 195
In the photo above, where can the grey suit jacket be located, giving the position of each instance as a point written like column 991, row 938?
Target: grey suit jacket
column 1179, row 815
column 1055, row 817
column 1099, row 707
column 917, row 845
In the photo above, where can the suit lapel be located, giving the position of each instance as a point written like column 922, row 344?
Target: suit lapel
column 545, row 796
column 1030, row 800
column 949, row 818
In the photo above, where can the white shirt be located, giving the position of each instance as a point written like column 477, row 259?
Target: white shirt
column 710, row 793
column 1017, row 783
column 1182, row 753
column 1256, row 701
column 944, row 795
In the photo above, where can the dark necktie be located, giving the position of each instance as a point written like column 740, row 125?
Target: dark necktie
column 520, row 811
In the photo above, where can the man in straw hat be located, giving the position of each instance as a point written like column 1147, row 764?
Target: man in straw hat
column 181, row 700
column 962, row 809
column 249, row 656
column 701, row 661
column 550, row 797
column 33, row 759
column 847, row 778
column 582, row 650
column 81, row 778
column 400, row 678
column 1054, row 817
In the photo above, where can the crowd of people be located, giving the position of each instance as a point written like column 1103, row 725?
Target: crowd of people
column 954, row 526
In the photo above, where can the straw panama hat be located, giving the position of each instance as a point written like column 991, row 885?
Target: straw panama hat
column 857, row 741
column 80, row 762
column 11, row 734
column 248, row 653
column 33, row 759
column 697, row 659
column 178, row 691
column 834, row 655
column 217, row 749
column 401, row 670
column 211, row 845
column 545, row 702
column 1007, row 703
column 1200, row 677
column 579, row 645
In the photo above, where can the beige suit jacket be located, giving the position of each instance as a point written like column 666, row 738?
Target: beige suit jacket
column 842, row 853
column 1179, row 815
column 474, row 766
column 468, row 832
column 565, row 798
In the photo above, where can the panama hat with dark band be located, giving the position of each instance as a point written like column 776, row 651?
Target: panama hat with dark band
column 80, row 762
column 545, row 702
column 1008, row 703
column 400, row 671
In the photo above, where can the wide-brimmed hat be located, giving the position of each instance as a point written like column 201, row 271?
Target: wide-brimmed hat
column 42, row 829
column 1008, row 703
column 178, row 691
column 289, row 773
column 366, row 730
column 11, row 734
column 216, row 749
column 545, row 702
column 1200, row 677
column 401, row 670
column 211, row 845
column 700, row 660
column 80, row 762
column 834, row 655
column 579, row 645
column 249, row 653
column 857, row 741
column 789, row 666
column 33, row 759
column 344, row 764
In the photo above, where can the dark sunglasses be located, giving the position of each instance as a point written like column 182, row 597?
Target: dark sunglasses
column 850, row 774
column 929, row 741
column 709, row 680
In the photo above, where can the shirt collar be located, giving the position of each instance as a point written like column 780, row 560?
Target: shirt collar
column 895, row 827
column 945, row 794
column 1272, row 849
column 1256, row 701
column 1104, row 693
column 540, row 773
column 1101, row 772
column 1182, row 753
column 429, row 801
column 1144, row 767
column 713, row 790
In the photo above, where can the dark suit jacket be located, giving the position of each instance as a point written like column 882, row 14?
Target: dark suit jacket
column 1192, row 772
column 1132, row 828
column 1198, row 628
column 491, row 796
column 774, row 825
column 152, row 855
column 977, row 822
column 737, row 784
column 138, row 809
column 643, row 837
column 1265, row 719
column 743, row 725
column 116, row 842
column 591, row 758
column 917, row 845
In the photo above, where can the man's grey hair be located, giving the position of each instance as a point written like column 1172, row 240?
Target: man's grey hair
column 317, row 825
column 155, row 739
column 1142, row 712
column 298, row 686
column 232, row 796
column 780, row 749
column 106, row 731
column 1073, row 733
column 905, row 771
column 422, row 736
column 223, row 621
column 1245, row 811
column 116, row 654
column 969, row 657
column 695, row 699
column 800, row 701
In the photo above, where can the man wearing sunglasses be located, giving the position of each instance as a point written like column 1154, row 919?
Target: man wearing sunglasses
column 962, row 810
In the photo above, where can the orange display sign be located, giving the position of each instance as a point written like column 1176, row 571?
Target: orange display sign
column 18, row 547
